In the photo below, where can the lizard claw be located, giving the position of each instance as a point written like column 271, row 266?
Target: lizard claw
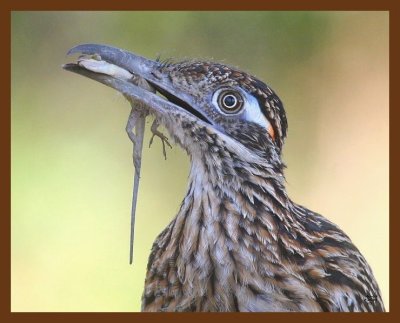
column 164, row 139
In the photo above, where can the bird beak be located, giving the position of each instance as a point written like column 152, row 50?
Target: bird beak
column 176, row 103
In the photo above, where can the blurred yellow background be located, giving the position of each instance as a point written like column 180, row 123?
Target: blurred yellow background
column 72, row 170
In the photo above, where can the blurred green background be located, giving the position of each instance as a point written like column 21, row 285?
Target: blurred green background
column 71, row 158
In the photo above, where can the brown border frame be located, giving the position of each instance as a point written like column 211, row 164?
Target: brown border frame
column 7, row 6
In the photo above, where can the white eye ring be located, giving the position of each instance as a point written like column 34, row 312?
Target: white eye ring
column 230, row 101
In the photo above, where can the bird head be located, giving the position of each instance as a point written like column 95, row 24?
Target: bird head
column 215, row 112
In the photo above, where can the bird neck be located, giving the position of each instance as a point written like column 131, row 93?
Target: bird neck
column 231, row 228
column 233, row 211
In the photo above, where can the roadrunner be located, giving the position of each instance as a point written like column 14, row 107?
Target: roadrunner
column 238, row 242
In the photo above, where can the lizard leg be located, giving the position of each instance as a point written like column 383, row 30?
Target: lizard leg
column 156, row 132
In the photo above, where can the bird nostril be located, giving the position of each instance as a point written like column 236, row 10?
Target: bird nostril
column 157, row 74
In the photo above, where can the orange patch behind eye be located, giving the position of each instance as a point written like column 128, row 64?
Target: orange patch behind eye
column 271, row 132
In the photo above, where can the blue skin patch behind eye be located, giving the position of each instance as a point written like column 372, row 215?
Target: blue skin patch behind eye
column 250, row 112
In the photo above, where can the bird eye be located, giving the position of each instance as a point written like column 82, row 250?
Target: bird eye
column 230, row 101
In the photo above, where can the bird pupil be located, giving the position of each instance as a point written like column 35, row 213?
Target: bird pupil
column 229, row 101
